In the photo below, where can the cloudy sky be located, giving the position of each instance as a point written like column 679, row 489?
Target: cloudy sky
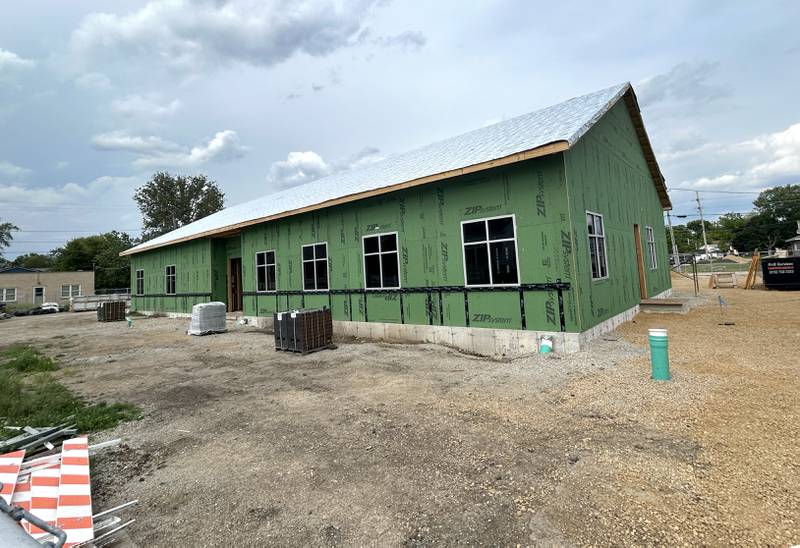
column 262, row 95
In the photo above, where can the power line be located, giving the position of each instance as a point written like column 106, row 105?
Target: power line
column 61, row 207
column 716, row 191
column 83, row 231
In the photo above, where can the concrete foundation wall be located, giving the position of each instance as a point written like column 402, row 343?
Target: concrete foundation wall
column 495, row 343
column 91, row 302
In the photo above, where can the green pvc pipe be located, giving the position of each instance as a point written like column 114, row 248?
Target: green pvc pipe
column 659, row 355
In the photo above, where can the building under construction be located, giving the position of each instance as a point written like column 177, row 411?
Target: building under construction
column 550, row 223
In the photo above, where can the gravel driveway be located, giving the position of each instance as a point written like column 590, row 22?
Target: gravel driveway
column 378, row 444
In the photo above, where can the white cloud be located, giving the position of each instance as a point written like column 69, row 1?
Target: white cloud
column 407, row 41
column 686, row 82
column 153, row 151
column 304, row 167
column 11, row 171
column 121, row 141
column 754, row 164
column 296, row 169
column 71, row 193
column 190, row 36
column 10, row 61
column 147, row 106
column 94, row 80
column 225, row 146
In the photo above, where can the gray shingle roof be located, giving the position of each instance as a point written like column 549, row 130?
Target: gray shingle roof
column 565, row 122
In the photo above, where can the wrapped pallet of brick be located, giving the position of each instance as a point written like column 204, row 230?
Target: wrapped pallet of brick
column 208, row 318
column 303, row 331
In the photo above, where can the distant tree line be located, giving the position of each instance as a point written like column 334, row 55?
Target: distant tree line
column 166, row 202
column 772, row 222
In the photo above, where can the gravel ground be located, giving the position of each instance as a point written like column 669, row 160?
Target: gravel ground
column 378, row 444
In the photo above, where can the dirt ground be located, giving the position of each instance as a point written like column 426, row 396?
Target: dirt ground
column 378, row 444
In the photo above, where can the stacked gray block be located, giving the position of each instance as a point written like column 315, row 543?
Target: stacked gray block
column 208, row 318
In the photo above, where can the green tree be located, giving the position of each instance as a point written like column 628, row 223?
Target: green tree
column 6, row 236
column 33, row 260
column 726, row 227
column 696, row 228
column 170, row 201
column 99, row 253
column 684, row 238
column 759, row 232
column 779, row 206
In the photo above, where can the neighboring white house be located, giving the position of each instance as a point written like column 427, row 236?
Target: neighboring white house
column 794, row 243
column 711, row 251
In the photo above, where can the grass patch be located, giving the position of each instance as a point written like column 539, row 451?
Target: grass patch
column 31, row 396
column 25, row 359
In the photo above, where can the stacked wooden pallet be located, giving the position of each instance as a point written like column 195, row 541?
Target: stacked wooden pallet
column 723, row 280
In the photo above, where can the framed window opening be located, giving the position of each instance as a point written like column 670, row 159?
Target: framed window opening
column 651, row 248
column 490, row 253
column 140, row 282
column 266, row 280
column 381, row 261
column 315, row 266
column 597, row 245
column 8, row 294
column 169, row 280
column 70, row 290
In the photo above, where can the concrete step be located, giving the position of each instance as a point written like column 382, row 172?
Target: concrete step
column 672, row 306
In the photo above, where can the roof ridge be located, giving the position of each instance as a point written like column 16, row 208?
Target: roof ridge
column 564, row 122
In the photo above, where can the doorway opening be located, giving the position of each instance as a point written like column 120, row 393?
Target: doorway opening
column 38, row 295
column 637, row 238
column 235, row 285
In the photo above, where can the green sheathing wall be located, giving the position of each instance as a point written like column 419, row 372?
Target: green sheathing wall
column 222, row 250
column 219, row 270
column 607, row 174
column 192, row 284
column 428, row 220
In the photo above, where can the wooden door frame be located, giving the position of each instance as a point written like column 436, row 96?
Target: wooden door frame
column 637, row 238
column 235, row 303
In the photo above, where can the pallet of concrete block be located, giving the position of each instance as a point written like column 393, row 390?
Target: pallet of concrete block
column 112, row 311
column 208, row 318
column 303, row 331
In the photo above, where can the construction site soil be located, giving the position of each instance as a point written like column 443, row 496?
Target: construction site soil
column 383, row 444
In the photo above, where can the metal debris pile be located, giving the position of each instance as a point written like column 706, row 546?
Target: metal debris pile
column 45, row 486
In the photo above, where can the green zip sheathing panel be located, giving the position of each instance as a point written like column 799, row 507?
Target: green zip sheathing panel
column 607, row 174
column 428, row 222
column 192, row 282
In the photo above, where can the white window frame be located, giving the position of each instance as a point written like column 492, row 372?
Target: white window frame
column 166, row 278
column 266, row 266
column 303, row 262
column 71, row 290
column 4, row 294
column 602, row 238
column 488, row 249
column 651, row 247
column 136, row 281
column 380, row 262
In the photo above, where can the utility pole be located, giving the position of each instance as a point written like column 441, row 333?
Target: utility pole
column 674, row 245
column 703, row 224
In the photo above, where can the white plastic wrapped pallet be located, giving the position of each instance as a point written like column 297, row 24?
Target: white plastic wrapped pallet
column 208, row 318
